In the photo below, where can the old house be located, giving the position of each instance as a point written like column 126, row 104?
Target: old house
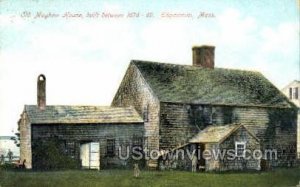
column 179, row 101
column 292, row 92
column 162, row 106
column 87, row 136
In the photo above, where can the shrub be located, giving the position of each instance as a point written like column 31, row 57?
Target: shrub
column 51, row 155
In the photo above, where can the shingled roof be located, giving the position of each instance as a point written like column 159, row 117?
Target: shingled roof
column 56, row 114
column 217, row 134
column 192, row 84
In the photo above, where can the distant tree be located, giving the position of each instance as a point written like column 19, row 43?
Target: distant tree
column 16, row 139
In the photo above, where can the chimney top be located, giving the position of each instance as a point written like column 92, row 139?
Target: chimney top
column 204, row 56
column 202, row 46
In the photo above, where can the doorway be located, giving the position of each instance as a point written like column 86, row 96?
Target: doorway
column 90, row 155
column 201, row 160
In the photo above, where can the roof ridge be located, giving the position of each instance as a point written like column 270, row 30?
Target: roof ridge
column 75, row 105
column 192, row 66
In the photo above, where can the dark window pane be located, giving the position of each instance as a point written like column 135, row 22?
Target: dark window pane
column 146, row 113
column 110, row 147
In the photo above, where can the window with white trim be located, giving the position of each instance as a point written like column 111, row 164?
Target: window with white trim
column 240, row 148
column 293, row 93
column 296, row 93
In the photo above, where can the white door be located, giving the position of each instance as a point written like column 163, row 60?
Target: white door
column 84, row 155
column 94, row 155
column 90, row 155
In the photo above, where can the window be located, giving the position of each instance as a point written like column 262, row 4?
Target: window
column 146, row 145
column 146, row 114
column 291, row 93
column 214, row 118
column 240, row 149
column 110, row 147
column 70, row 148
column 137, row 145
column 137, row 142
column 208, row 113
column 234, row 118
column 296, row 93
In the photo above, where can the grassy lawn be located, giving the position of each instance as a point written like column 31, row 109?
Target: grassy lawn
column 279, row 177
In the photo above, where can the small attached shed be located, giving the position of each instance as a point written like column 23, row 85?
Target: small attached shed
column 229, row 147
column 216, row 148
column 89, row 137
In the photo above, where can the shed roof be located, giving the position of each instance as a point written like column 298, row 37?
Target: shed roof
column 56, row 114
column 216, row 134
column 192, row 84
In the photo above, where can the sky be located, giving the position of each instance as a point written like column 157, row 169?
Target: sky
column 84, row 59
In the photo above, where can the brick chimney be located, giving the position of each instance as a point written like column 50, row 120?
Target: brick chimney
column 41, row 92
column 204, row 56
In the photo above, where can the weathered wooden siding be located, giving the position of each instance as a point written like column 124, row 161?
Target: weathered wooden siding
column 134, row 91
column 74, row 134
column 176, row 126
column 275, row 127
column 25, row 140
column 217, row 156
column 180, row 158
column 241, row 135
